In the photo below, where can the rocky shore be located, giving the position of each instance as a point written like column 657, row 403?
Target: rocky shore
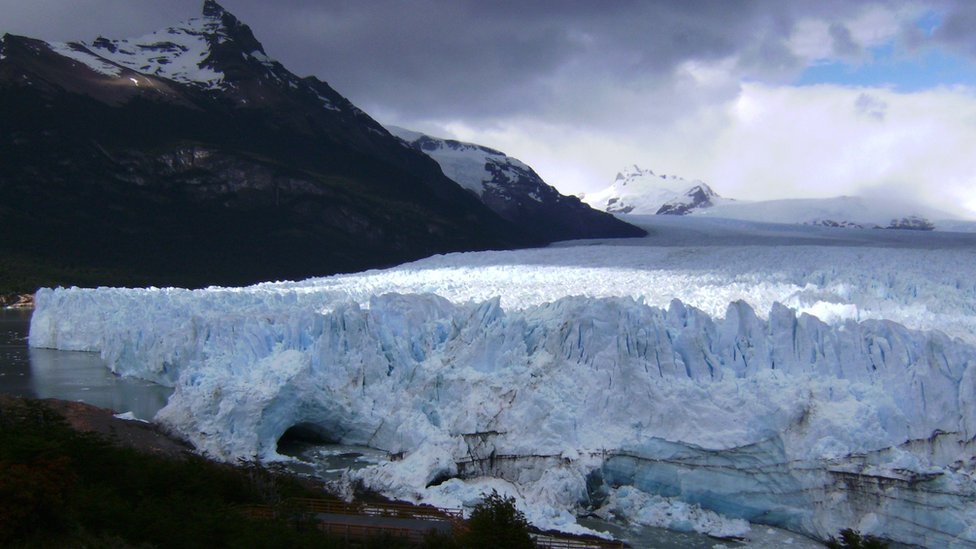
column 139, row 435
column 17, row 301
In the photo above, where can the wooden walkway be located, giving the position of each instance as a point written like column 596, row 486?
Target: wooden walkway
column 543, row 541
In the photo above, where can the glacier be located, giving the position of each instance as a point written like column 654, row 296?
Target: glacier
column 808, row 387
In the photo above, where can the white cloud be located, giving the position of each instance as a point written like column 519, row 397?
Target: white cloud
column 878, row 23
column 772, row 142
column 819, row 141
column 817, row 39
column 811, row 39
column 726, row 112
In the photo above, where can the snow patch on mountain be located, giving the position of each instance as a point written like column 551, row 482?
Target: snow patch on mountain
column 178, row 53
column 82, row 54
column 475, row 167
column 696, row 198
column 215, row 53
column 184, row 53
column 327, row 103
column 514, row 191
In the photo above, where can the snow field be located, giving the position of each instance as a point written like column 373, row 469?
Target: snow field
column 177, row 53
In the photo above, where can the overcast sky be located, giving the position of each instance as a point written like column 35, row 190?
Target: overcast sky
column 759, row 98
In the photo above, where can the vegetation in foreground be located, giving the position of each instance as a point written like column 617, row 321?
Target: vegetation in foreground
column 63, row 488
column 852, row 539
column 496, row 522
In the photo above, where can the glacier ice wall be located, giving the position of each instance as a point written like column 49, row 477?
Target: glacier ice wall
column 778, row 418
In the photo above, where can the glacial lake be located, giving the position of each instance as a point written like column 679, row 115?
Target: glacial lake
column 79, row 376
column 66, row 375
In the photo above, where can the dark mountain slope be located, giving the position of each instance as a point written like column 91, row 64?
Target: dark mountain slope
column 132, row 158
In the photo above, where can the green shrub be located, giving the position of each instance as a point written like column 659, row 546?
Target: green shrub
column 61, row 488
column 852, row 539
column 496, row 522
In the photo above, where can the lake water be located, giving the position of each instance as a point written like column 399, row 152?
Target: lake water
column 329, row 461
column 76, row 376
column 65, row 375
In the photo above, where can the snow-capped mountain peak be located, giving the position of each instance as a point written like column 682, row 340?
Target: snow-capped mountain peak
column 634, row 172
column 207, row 52
column 214, row 53
column 697, row 197
column 214, row 10
column 635, row 190
column 641, row 191
column 631, row 172
column 182, row 53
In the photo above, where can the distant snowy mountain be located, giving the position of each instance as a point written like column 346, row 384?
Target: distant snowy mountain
column 639, row 191
column 514, row 191
column 642, row 192
column 842, row 211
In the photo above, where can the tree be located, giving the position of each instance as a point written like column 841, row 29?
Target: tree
column 496, row 522
column 852, row 539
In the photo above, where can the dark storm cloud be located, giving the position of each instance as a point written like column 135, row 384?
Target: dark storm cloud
column 956, row 29
column 477, row 59
column 486, row 58
column 65, row 20
column 442, row 58
column 843, row 43
column 481, row 59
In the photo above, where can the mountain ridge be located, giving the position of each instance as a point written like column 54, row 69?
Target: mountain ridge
column 513, row 190
column 125, row 160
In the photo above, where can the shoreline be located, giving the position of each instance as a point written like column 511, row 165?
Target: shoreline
column 142, row 436
column 16, row 301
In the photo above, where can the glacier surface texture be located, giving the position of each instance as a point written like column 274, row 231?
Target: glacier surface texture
column 812, row 387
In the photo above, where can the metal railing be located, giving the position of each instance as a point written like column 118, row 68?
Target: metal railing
column 543, row 541
column 349, row 531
